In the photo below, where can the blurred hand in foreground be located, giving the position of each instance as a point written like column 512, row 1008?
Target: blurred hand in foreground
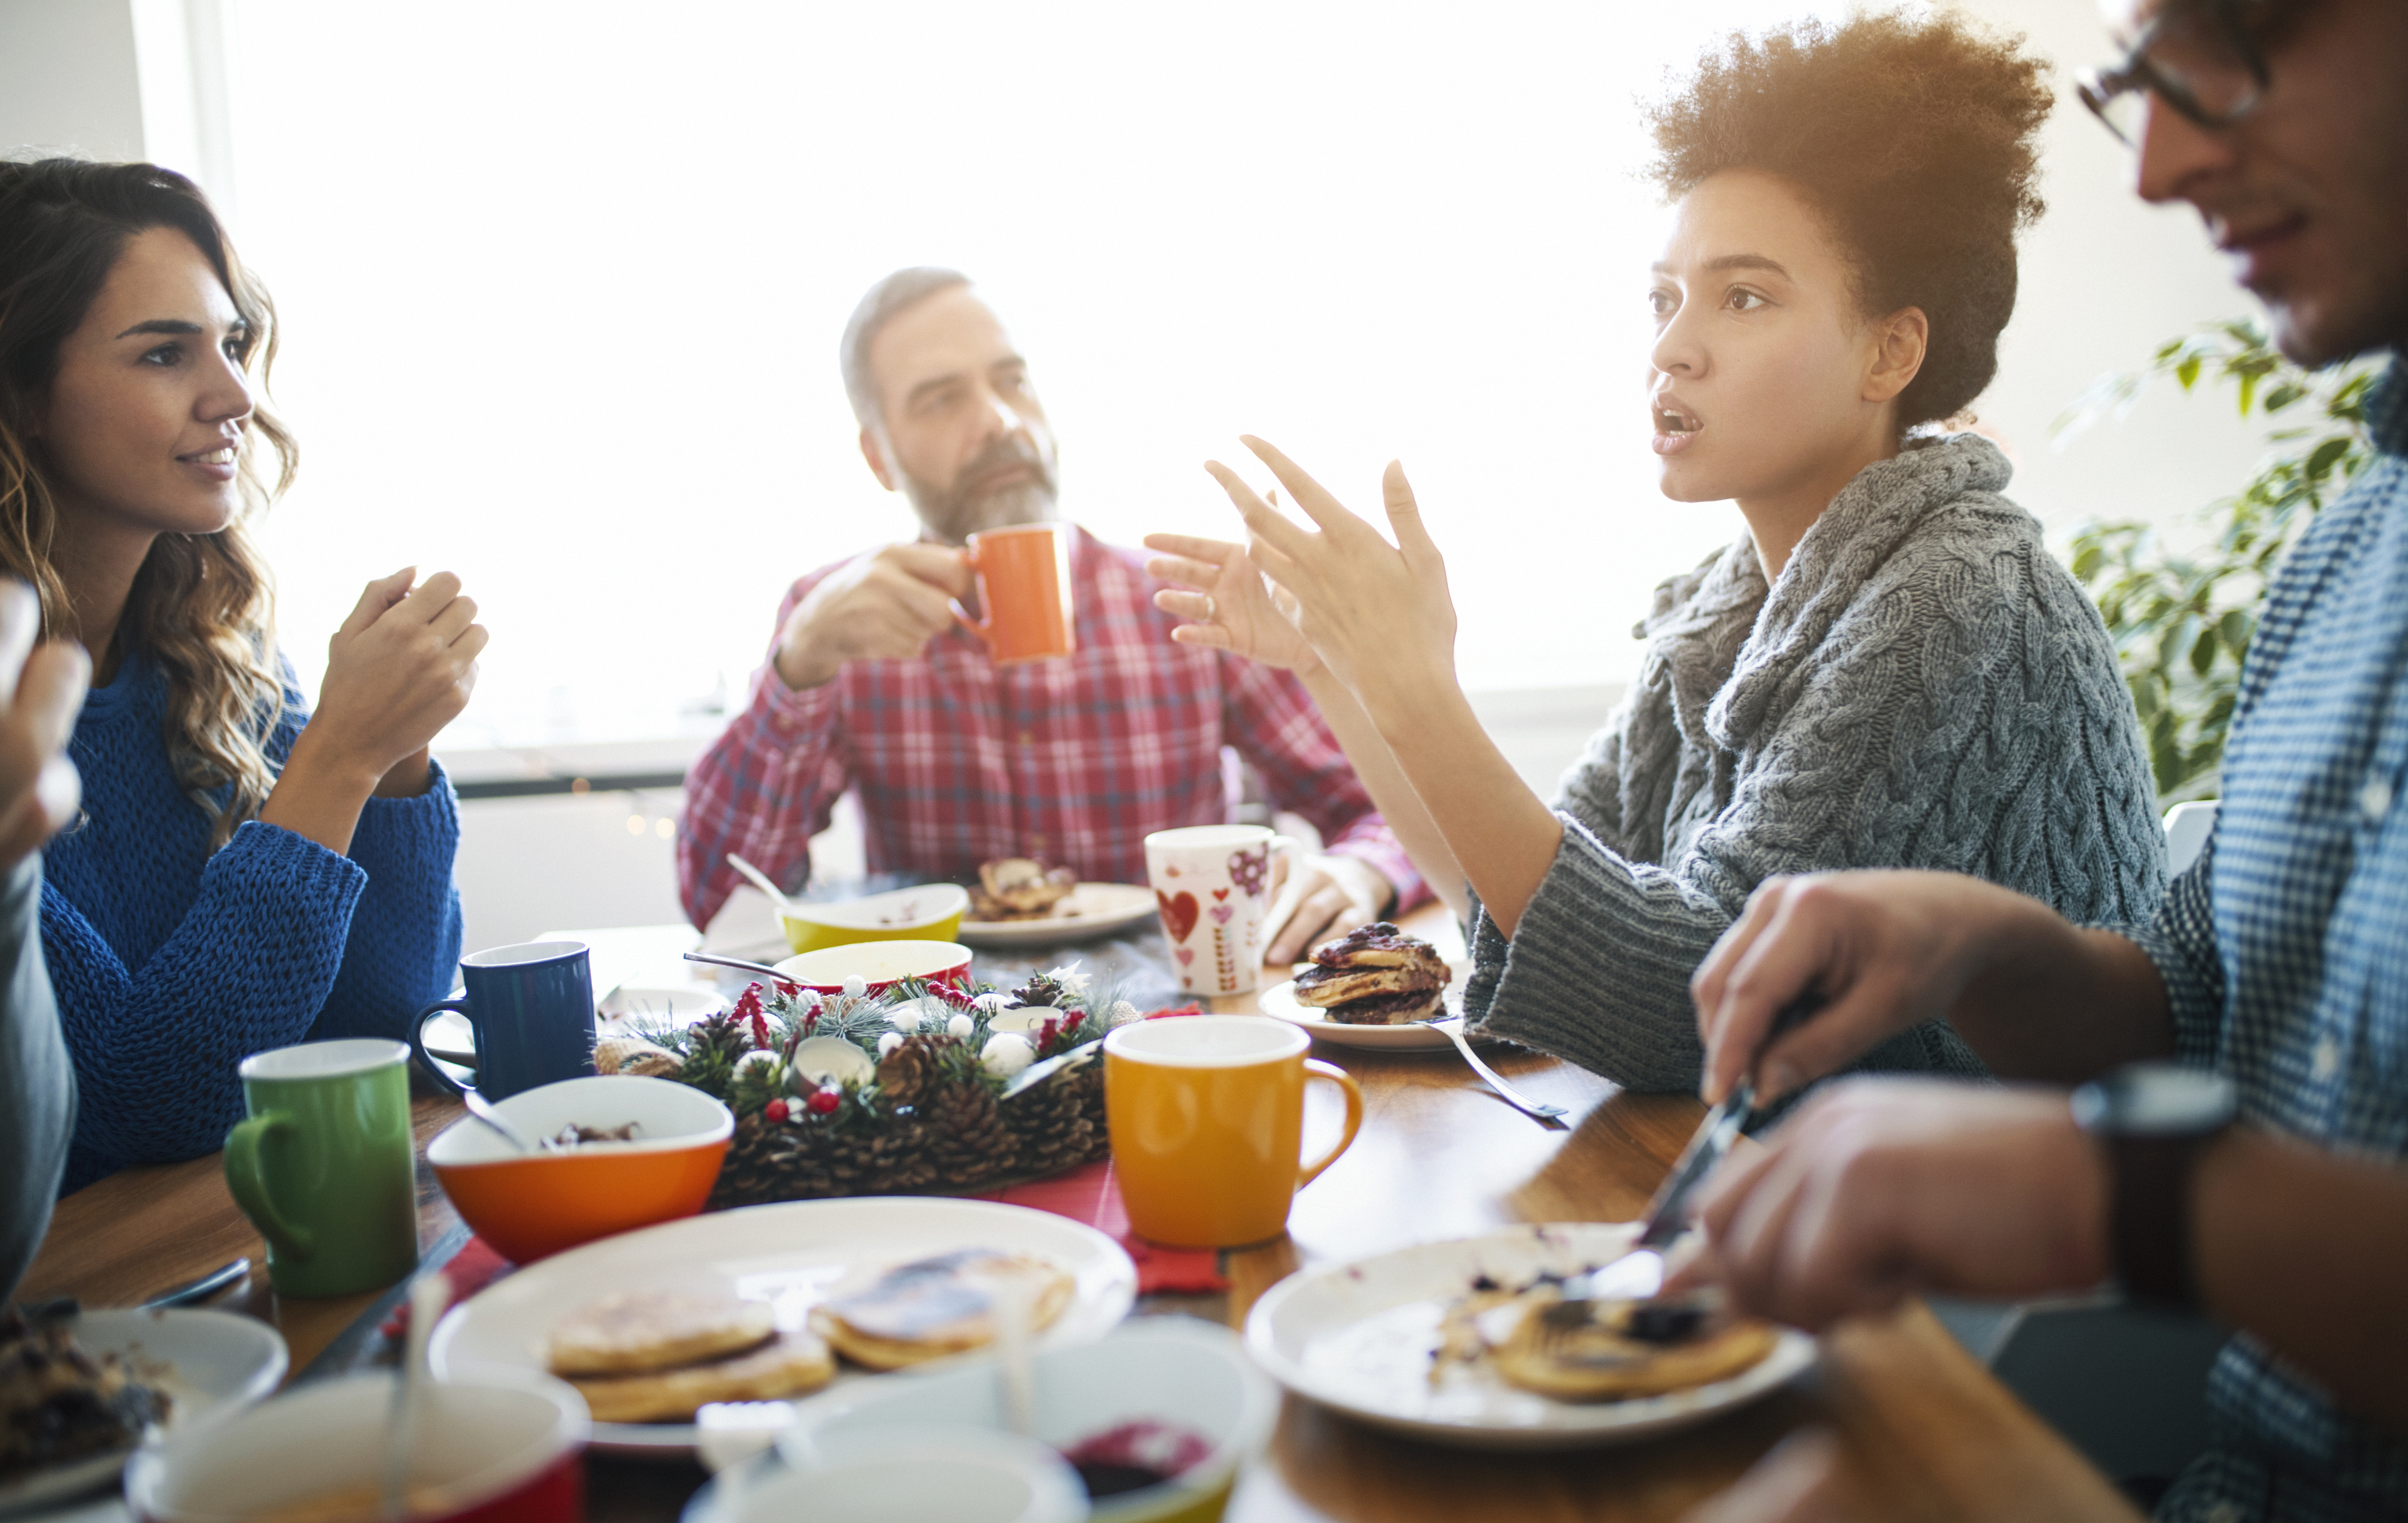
column 1881, row 1189
column 1886, row 951
column 42, row 687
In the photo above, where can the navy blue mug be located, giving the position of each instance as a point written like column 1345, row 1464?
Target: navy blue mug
column 531, row 1007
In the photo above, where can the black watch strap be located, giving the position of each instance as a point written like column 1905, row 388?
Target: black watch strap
column 2149, row 1218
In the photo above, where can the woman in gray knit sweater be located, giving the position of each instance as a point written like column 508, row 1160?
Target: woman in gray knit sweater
column 1888, row 670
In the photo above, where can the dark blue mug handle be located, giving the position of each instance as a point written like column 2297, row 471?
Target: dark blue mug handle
column 418, row 1042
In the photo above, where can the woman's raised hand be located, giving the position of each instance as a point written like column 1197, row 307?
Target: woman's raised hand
column 1378, row 614
column 400, row 670
column 1229, row 606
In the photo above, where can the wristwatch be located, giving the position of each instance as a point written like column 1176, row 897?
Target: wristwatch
column 2153, row 1118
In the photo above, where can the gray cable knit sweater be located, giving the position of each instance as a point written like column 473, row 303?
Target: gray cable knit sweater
column 1925, row 687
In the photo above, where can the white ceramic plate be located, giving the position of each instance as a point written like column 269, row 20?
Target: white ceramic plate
column 1091, row 910
column 792, row 1255
column 1280, row 1001
column 1358, row 1337
column 215, row 1364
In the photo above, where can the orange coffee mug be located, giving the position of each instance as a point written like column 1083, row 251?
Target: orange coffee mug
column 1024, row 584
column 1207, row 1121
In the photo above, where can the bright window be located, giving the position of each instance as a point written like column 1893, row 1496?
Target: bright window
column 562, row 286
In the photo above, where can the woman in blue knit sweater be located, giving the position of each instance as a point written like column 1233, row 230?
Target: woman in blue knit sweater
column 246, row 875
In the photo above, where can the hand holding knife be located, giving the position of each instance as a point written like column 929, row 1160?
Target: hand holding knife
column 1640, row 1273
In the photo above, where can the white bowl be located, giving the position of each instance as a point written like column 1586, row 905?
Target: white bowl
column 933, row 1473
column 1175, row 1369
column 501, row 1440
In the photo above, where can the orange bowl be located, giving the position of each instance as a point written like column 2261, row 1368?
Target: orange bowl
column 529, row 1205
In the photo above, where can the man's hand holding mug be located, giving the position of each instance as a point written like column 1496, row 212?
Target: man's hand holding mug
column 886, row 606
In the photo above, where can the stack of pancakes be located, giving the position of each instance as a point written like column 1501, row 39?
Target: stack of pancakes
column 946, row 1304
column 1020, row 888
column 1375, row 975
column 657, row 1355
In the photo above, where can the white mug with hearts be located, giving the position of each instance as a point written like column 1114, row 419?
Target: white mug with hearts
column 1213, row 883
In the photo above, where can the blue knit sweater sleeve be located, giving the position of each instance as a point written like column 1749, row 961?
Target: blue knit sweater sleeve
column 173, row 964
column 156, row 1045
column 404, row 947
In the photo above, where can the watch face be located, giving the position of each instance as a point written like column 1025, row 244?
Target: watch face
column 2162, row 1100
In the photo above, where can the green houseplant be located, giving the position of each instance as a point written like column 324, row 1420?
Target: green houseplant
column 2182, row 621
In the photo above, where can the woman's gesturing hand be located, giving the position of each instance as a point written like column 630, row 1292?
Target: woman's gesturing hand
column 1229, row 607
column 400, row 670
column 1378, row 614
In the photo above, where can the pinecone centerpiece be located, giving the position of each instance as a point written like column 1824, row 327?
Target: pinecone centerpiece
column 892, row 1092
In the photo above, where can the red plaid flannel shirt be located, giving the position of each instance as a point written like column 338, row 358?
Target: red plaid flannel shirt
column 958, row 761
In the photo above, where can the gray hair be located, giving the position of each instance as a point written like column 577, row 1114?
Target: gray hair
column 902, row 289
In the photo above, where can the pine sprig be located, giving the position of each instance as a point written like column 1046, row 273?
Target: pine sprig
column 775, row 1018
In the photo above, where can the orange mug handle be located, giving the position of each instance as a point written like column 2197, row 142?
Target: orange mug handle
column 984, row 631
column 1316, row 1069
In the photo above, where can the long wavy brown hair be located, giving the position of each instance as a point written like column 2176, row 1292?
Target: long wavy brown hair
column 203, row 605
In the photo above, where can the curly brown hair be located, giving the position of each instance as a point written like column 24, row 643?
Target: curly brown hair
column 1912, row 137
column 203, row 605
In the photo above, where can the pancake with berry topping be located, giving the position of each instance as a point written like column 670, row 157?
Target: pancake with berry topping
column 932, row 1307
column 1375, row 975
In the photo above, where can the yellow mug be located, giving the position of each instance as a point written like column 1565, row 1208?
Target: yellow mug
column 1207, row 1118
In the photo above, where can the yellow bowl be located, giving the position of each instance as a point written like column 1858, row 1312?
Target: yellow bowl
column 931, row 912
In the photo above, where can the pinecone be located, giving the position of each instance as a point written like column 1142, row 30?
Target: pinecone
column 1054, row 1125
column 1040, row 989
column 968, row 1143
column 907, row 1074
column 635, row 1056
column 759, row 1166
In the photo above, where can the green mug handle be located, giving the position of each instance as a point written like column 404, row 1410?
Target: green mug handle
column 249, row 1183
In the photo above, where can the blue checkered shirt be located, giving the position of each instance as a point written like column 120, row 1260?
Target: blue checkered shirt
column 2284, row 953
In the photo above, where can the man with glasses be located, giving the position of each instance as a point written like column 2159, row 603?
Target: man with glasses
column 2237, row 1144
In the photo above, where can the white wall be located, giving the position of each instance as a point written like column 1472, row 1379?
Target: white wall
column 68, row 77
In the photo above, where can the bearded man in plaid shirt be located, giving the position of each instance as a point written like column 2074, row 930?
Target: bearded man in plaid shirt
column 872, row 685
column 2242, row 1147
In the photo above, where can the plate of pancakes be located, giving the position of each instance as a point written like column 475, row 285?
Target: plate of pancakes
column 1372, row 987
column 778, row 1302
column 1021, row 902
column 1471, row 1342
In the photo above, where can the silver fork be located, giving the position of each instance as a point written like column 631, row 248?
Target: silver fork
column 1452, row 1026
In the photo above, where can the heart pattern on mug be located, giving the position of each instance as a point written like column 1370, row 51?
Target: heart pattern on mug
column 1187, row 954
column 1220, row 893
column 1177, row 914
column 1223, row 912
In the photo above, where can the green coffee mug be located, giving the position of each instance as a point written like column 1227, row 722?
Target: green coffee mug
column 324, row 1166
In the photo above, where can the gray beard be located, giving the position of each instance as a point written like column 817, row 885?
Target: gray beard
column 954, row 515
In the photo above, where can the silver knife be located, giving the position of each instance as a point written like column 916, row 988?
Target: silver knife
column 1640, row 1273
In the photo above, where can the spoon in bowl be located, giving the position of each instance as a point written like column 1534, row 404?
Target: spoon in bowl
column 483, row 1110
column 761, row 881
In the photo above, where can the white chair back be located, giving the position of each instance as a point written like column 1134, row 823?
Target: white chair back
column 2188, row 828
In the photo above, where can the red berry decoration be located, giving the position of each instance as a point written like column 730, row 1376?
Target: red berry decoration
column 823, row 1101
column 775, row 1110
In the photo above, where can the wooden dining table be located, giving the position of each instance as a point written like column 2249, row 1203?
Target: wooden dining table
column 1924, row 1430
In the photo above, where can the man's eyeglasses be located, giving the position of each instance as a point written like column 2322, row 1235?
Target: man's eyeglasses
column 2198, row 58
